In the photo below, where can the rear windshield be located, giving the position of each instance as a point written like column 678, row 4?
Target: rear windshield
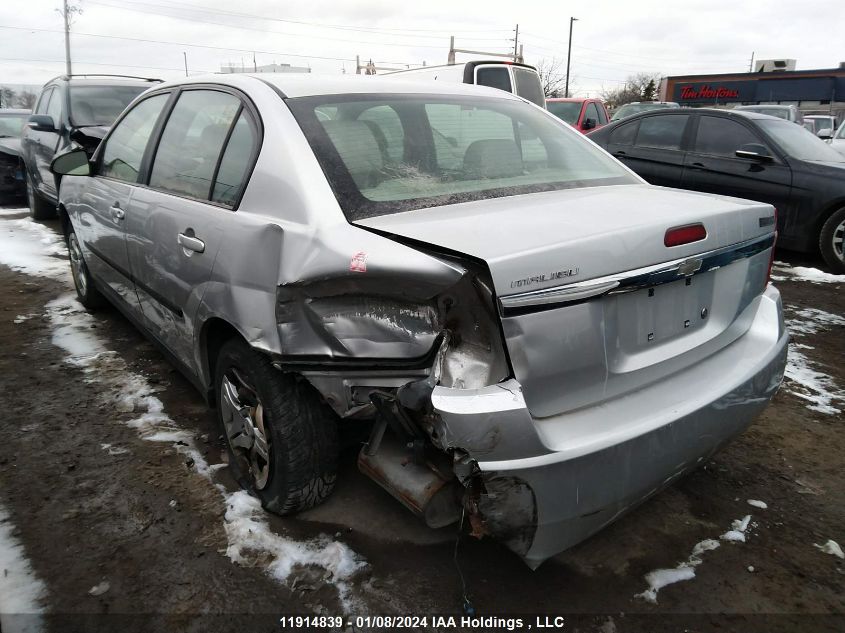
column 565, row 110
column 11, row 125
column 391, row 153
column 100, row 105
column 528, row 85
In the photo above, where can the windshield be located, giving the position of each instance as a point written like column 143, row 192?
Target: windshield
column 390, row 153
column 100, row 105
column 565, row 110
column 11, row 125
column 799, row 143
column 636, row 108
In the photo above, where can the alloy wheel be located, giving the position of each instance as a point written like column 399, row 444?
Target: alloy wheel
column 838, row 240
column 246, row 431
column 77, row 264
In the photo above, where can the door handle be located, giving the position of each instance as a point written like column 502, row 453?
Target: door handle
column 116, row 212
column 620, row 153
column 191, row 243
column 697, row 165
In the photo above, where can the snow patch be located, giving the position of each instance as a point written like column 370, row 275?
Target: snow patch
column 19, row 211
column 21, row 591
column 251, row 541
column 34, row 249
column 812, row 275
column 803, row 378
column 832, row 548
column 758, row 504
column 685, row 570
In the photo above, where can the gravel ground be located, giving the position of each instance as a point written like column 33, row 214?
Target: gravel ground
column 131, row 534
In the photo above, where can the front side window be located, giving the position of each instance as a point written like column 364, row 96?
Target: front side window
column 624, row 134
column 54, row 108
column 591, row 112
column 192, row 142
column 722, row 137
column 456, row 150
column 43, row 101
column 125, row 146
column 494, row 77
column 528, row 85
column 100, row 105
column 662, row 132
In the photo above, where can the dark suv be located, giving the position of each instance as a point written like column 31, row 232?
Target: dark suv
column 72, row 109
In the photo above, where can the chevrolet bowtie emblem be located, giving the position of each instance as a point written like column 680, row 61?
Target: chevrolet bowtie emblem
column 689, row 267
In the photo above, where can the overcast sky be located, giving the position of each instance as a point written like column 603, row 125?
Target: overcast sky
column 611, row 40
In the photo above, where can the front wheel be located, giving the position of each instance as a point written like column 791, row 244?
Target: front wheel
column 39, row 208
column 86, row 292
column 281, row 436
column 832, row 242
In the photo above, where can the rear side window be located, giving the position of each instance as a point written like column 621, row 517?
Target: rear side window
column 494, row 77
column 663, row 132
column 231, row 175
column 722, row 137
column 528, row 85
column 192, row 142
column 127, row 142
column 624, row 134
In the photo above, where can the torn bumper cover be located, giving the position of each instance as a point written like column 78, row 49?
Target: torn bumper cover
column 552, row 482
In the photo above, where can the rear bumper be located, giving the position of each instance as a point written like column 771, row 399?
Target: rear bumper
column 552, row 482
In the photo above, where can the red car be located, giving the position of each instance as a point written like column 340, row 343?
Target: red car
column 582, row 114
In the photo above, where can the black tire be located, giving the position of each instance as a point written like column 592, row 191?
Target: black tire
column 303, row 438
column 832, row 242
column 39, row 208
column 86, row 291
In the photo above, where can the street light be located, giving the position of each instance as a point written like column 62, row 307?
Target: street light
column 569, row 57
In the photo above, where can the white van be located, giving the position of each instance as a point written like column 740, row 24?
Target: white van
column 520, row 79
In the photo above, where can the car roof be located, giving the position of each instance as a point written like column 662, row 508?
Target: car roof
column 571, row 99
column 14, row 111
column 746, row 114
column 306, row 85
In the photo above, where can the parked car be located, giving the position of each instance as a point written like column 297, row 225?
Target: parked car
column 743, row 154
column 786, row 112
column 822, row 125
column 519, row 79
column 582, row 114
column 532, row 355
column 11, row 167
column 838, row 140
column 641, row 106
column 71, row 110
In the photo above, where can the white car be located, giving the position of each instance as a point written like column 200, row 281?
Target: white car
column 838, row 140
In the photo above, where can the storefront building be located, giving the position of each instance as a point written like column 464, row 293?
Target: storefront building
column 813, row 91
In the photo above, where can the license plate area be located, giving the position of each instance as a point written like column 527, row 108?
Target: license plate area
column 656, row 315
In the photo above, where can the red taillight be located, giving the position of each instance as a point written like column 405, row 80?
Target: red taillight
column 684, row 234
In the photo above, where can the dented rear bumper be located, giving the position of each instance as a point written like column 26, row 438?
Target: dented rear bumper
column 551, row 482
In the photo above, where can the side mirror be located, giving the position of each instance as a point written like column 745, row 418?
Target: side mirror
column 74, row 163
column 754, row 151
column 41, row 123
column 825, row 133
column 588, row 124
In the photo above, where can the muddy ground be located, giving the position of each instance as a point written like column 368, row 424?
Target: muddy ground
column 146, row 523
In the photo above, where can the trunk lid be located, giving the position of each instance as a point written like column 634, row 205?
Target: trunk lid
column 555, row 256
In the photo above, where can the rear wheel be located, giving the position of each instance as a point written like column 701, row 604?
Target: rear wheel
column 832, row 242
column 281, row 436
column 86, row 292
column 39, row 208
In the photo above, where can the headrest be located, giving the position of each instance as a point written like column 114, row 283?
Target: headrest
column 493, row 158
column 358, row 148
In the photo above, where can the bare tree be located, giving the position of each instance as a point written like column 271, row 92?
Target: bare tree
column 553, row 76
column 26, row 100
column 639, row 87
column 7, row 97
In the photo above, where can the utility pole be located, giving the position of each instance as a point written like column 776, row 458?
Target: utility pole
column 515, row 43
column 254, row 63
column 751, row 65
column 67, row 38
column 185, row 56
column 569, row 57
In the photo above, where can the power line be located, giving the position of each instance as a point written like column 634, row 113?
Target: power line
column 206, row 46
column 61, row 61
column 184, row 6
